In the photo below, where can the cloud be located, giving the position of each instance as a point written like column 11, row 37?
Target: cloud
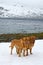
column 26, row 3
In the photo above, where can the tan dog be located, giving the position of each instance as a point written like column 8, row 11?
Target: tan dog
column 18, row 44
column 28, row 44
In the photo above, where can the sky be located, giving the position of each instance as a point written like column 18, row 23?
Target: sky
column 25, row 3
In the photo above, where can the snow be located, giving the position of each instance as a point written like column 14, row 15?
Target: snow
column 35, row 59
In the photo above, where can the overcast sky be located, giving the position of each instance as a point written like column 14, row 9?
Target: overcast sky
column 25, row 3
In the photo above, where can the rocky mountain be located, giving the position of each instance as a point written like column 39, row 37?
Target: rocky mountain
column 20, row 12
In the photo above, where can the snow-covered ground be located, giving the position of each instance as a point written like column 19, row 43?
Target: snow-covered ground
column 35, row 59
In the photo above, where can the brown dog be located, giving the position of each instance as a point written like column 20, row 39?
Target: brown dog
column 28, row 44
column 18, row 44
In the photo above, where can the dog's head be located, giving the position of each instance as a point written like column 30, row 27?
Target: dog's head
column 33, row 39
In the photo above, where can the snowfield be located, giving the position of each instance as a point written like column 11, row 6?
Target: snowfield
column 35, row 59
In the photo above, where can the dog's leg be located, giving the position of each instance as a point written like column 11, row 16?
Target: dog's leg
column 31, row 51
column 20, row 53
column 23, row 52
column 17, row 50
column 26, row 52
column 11, row 50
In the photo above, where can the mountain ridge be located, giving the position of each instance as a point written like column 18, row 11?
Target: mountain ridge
column 21, row 12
